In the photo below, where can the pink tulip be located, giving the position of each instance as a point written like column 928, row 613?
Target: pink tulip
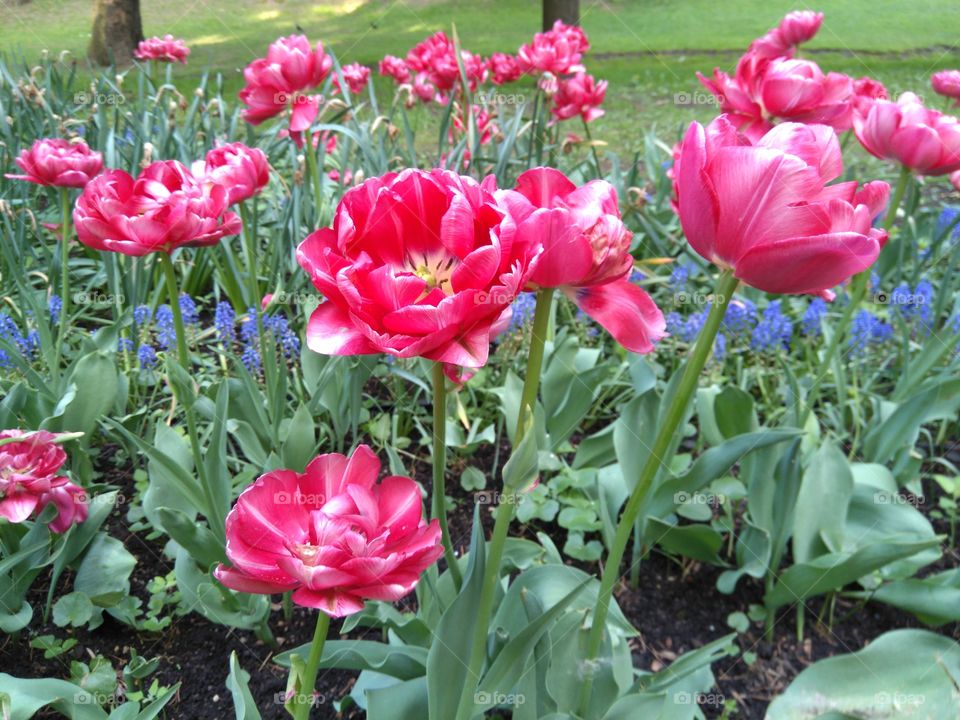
column 166, row 207
column 922, row 139
column 947, row 83
column 584, row 251
column 355, row 75
column 799, row 91
column 955, row 180
column 422, row 89
column 437, row 58
column 333, row 535
column 279, row 81
column 558, row 51
column 579, row 95
column 800, row 26
column 243, row 171
column 71, row 503
column 738, row 105
column 165, row 49
column 29, row 480
column 392, row 66
column 417, row 264
column 58, row 163
column 504, row 68
column 765, row 210
column 865, row 90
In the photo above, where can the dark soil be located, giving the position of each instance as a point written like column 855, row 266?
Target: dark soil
column 676, row 608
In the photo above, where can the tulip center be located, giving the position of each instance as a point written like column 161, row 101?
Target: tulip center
column 306, row 552
column 436, row 272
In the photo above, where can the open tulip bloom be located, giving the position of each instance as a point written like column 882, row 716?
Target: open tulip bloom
column 60, row 163
column 767, row 212
column 332, row 534
column 584, row 249
column 417, row 264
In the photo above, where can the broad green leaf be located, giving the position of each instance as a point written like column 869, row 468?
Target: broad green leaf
column 238, row 685
column 821, row 511
column 403, row 662
column 104, row 572
column 901, row 674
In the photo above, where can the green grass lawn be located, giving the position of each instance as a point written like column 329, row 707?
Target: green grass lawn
column 649, row 50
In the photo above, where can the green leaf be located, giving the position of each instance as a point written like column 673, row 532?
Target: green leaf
column 834, row 571
column 511, row 661
column 95, row 382
column 73, row 609
column 935, row 600
column 453, row 641
column 697, row 541
column 523, row 467
column 104, row 572
column 237, row 683
column 401, row 701
column 403, row 662
column 202, row 544
column 821, row 511
column 300, row 444
column 21, row 698
column 903, row 426
column 901, row 674
column 473, row 479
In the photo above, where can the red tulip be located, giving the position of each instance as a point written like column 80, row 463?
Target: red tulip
column 922, row 139
column 422, row 89
column 29, row 480
column 417, row 264
column 392, row 66
column 579, row 95
column 800, row 26
column 279, row 80
column 437, row 58
column 947, row 83
column 738, row 105
column 865, row 90
column 556, row 51
column 355, row 75
column 243, row 171
column 58, row 163
column 165, row 49
column 765, row 209
column 585, row 251
column 166, row 207
column 504, row 68
column 798, row 90
column 332, row 535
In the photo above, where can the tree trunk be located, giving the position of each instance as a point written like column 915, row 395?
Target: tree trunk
column 117, row 29
column 566, row 10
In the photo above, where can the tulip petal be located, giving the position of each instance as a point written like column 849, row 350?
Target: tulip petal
column 566, row 256
column 334, row 604
column 543, row 185
column 625, row 311
column 330, row 331
column 237, row 580
column 804, row 265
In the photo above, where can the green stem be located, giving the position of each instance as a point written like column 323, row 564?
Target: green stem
column 304, row 700
column 593, row 149
column 314, row 169
column 505, row 508
column 439, row 469
column 726, row 286
column 173, row 294
column 858, row 291
column 64, row 279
